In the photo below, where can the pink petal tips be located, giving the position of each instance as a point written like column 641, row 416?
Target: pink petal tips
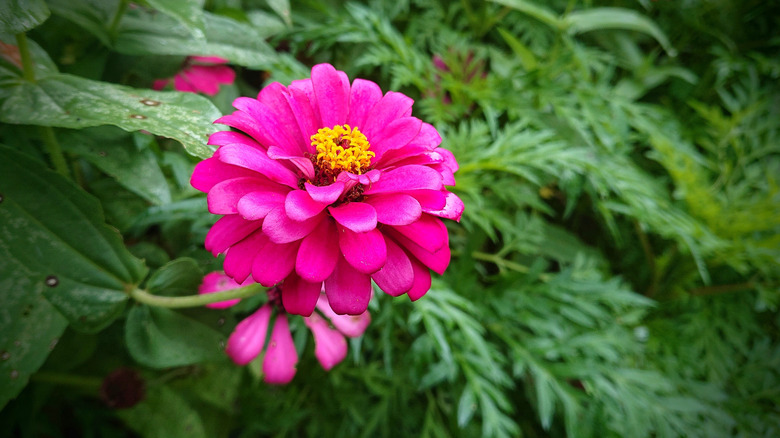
column 200, row 74
column 329, row 184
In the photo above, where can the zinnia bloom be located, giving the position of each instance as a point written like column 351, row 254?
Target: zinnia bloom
column 200, row 74
column 279, row 363
column 330, row 183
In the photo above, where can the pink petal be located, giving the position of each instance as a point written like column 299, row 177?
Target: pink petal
column 396, row 276
column 223, row 197
column 303, row 164
column 438, row 261
column 201, row 79
column 241, row 256
column 396, row 135
column 216, row 282
column 395, row 208
column 247, row 340
column 274, row 96
column 273, row 123
column 330, row 347
column 357, row 216
column 181, row 82
column 422, row 281
column 257, row 160
column 332, row 94
column 300, row 206
column 222, row 74
column 232, row 137
column 449, row 159
column 392, row 106
column 257, row 205
column 412, row 177
column 348, row 290
column 300, row 296
column 366, row 251
column 211, row 171
column 352, row 326
column 209, row 59
column 429, row 232
column 429, row 199
column 326, row 194
column 159, row 84
column 318, row 253
column 228, row 231
column 308, row 120
column 363, row 96
column 281, row 357
column 281, row 229
column 453, row 209
column 246, row 123
column 274, row 262
column 304, row 87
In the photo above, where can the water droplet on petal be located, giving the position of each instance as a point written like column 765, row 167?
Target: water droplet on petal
column 137, row 116
column 52, row 281
column 14, row 374
column 5, row 355
column 149, row 102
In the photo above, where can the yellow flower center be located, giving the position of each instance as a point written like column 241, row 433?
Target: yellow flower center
column 341, row 148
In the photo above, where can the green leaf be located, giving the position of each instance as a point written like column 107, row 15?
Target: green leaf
column 526, row 56
column 142, row 33
column 29, row 324
column 533, row 10
column 72, row 102
column 178, row 277
column 17, row 16
column 82, row 263
column 93, row 16
column 113, row 152
column 163, row 414
column 282, row 8
column 160, row 338
column 186, row 12
column 616, row 18
column 466, row 406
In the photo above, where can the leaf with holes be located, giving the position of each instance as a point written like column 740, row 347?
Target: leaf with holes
column 58, row 233
column 72, row 102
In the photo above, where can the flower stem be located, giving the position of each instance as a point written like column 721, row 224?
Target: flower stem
column 24, row 52
column 145, row 297
column 113, row 29
column 54, row 151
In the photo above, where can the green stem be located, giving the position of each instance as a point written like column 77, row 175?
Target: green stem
column 54, row 151
column 67, row 380
column 24, row 53
column 113, row 29
column 145, row 297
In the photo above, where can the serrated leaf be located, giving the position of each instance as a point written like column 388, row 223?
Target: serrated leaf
column 17, row 16
column 467, row 406
column 616, row 18
column 160, row 338
column 178, row 277
column 73, row 102
column 145, row 34
column 186, row 12
column 58, row 232
column 113, row 152
column 163, row 414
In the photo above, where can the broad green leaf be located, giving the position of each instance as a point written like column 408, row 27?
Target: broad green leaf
column 282, row 8
column 163, row 414
column 94, row 16
column 17, row 16
column 186, row 12
column 160, row 338
column 42, row 63
column 142, row 33
column 616, row 18
column 72, row 102
column 113, row 152
column 58, row 233
column 178, row 277
column 29, row 325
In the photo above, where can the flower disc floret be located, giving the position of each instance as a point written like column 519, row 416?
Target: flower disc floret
column 341, row 148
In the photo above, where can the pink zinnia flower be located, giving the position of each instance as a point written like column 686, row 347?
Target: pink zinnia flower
column 330, row 183
column 200, row 74
column 248, row 339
